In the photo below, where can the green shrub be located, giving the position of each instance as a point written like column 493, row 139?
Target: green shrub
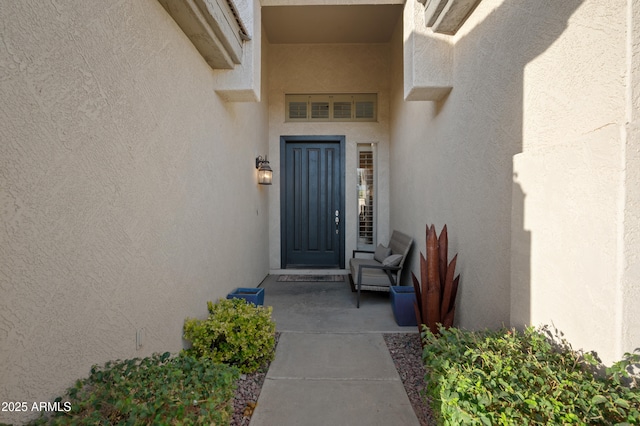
column 507, row 377
column 154, row 390
column 236, row 333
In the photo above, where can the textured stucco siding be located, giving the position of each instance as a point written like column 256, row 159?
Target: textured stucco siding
column 524, row 161
column 631, row 229
column 570, row 175
column 344, row 68
column 128, row 190
column 428, row 57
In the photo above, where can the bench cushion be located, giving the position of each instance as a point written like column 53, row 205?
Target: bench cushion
column 375, row 277
column 393, row 260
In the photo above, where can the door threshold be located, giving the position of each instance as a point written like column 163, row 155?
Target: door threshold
column 308, row 272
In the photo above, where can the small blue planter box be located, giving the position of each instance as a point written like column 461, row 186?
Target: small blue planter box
column 402, row 298
column 251, row 295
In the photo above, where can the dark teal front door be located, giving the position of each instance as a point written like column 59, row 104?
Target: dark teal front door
column 312, row 201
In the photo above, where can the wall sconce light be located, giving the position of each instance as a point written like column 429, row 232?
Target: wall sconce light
column 265, row 174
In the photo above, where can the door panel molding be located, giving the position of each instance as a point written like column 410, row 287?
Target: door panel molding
column 312, row 187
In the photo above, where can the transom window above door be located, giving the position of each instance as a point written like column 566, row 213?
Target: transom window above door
column 331, row 107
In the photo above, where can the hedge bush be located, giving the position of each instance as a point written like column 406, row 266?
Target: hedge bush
column 507, row 377
column 236, row 333
column 150, row 391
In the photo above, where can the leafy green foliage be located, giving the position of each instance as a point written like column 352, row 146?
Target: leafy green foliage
column 236, row 333
column 508, row 377
column 154, row 390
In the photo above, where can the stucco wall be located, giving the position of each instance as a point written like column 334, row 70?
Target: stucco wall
column 128, row 190
column 460, row 163
column 570, row 175
column 631, row 225
column 524, row 162
column 343, row 68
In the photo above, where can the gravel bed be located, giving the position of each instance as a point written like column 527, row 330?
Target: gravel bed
column 248, row 388
column 247, row 393
column 406, row 352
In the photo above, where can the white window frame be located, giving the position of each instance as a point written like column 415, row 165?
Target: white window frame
column 364, row 147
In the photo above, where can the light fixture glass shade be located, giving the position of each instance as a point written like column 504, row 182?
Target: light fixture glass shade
column 265, row 174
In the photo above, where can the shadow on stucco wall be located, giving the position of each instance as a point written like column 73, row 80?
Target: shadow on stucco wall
column 497, row 51
column 462, row 158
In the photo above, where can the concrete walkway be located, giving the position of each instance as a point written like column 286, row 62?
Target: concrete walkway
column 332, row 366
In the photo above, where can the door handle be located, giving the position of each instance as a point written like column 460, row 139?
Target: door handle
column 337, row 220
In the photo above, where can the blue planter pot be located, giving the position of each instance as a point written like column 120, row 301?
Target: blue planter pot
column 402, row 298
column 251, row 295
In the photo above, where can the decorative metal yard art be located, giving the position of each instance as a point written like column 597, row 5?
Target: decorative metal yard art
column 435, row 299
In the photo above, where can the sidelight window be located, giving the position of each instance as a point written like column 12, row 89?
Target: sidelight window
column 366, row 196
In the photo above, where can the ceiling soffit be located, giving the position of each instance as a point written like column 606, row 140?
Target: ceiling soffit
column 330, row 24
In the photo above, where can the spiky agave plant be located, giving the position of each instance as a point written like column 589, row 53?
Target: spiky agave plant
column 436, row 297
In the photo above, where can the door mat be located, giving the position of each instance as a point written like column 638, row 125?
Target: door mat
column 311, row 278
